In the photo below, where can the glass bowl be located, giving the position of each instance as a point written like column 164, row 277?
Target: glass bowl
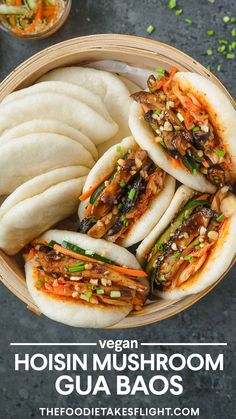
column 45, row 33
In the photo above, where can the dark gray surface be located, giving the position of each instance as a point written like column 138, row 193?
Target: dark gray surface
column 213, row 318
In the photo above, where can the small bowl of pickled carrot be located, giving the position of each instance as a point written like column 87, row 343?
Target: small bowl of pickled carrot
column 33, row 19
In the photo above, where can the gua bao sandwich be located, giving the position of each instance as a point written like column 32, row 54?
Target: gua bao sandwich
column 124, row 195
column 188, row 125
column 84, row 282
column 192, row 245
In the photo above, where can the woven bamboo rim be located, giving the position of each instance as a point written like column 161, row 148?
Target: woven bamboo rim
column 135, row 51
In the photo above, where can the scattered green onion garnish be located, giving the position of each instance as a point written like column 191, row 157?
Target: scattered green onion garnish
column 118, row 149
column 196, row 129
column 95, row 204
column 209, row 52
column 221, row 49
column 220, row 218
column 172, row 4
column 188, row 21
column 84, row 297
column 52, row 243
column 163, row 144
column 232, row 19
column 233, row 32
column 222, row 42
column 179, row 12
column 40, row 283
column 226, row 19
column 230, row 56
column 120, row 205
column 176, row 127
column 115, row 294
column 132, row 193
column 219, row 67
column 220, row 153
column 177, row 255
column 150, row 29
column 76, row 269
column 195, row 171
column 160, row 70
column 210, row 33
column 189, row 259
column 46, row 279
column 89, row 294
column 197, row 247
column 211, row 1
column 100, row 292
column 158, row 111
column 122, row 183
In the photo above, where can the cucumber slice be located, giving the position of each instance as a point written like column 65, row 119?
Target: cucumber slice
column 12, row 10
column 32, row 4
column 81, row 251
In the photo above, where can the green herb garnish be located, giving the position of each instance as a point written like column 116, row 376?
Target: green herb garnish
column 40, row 283
column 189, row 259
column 230, row 56
column 132, row 193
column 188, row 21
column 220, row 218
column 122, row 183
column 209, row 52
column 176, row 255
column 210, row 33
column 118, row 148
column 220, row 153
column 179, row 12
column 99, row 292
column 150, row 29
column 172, row 4
column 158, row 111
column 226, row 19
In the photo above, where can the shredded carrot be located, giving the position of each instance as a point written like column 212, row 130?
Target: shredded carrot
column 33, row 25
column 202, row 197
column 121, row 269
column 205, row 164
column 175, row 163
column 18, row 2
column 92, row 188
column 88, row 210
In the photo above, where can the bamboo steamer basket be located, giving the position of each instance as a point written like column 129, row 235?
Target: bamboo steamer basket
column 135, row 51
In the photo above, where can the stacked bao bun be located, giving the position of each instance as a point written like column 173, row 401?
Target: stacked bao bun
column 61, row 145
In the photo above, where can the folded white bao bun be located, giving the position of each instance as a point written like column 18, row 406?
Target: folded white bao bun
column 216, row 264
column 39, row 204
column 38, row 126
column 222, row 116
column 80, row 313
column 112, row 91
column 29, row 156
column 157, row 207
column 58, row 106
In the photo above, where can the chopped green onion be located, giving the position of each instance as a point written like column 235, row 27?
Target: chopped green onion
column 172, row 4
column 197, row 247
column 211, row 1
column 46, row 279
column 159, row 77
column 95, row 204
column 210, row 33
column 232, row 19
column 122, row 183
column 160, row 70
column 226, row 19
column 89, row 294
column 209, row 52
column 115, row 294
column 40, row 283
column 222, row 42
column 220, row 218
column 209, row 67
column 233, row 32
column 84, row 297
column 120, row 205
column 176, row 127
column 195, row 171
column 150, row 29
column 221, row 49
column 132, row 193
column 177, row 255
column 188, row 21
column 99, row 292
column 118, row 149
column 189, row 259
column 230, row 56
column 220, row 153
column 158, row 111
column 162, row 143
column 179, row 12
column 196, row 129
column 219, row 67
column 76, row 269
